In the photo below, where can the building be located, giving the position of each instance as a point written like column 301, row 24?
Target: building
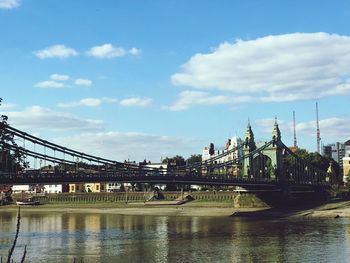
column 347, row 148
column 95, row 187
column 211, row 154
column 113, row 187
column 346, row 169
column 336, row 151
column 23, row 188
column 76, row 188
column 55, row 189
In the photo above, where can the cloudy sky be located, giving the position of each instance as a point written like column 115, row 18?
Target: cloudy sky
column 149, row 79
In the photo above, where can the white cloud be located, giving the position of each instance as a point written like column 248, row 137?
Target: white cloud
column 37, row 117
column 56, row 51
column 83, row 82
column 266, row 125
column 110, row 51
column 50, row 84
column 333, row 129
column 87, row 102
column 134, row 51
column 5, row 106
column 9, row 4
column 106, row 51
column 137, row 146
column 189, row 99
column 135, row 101
column 286, row 67
column 58, row 77
column 109, row 100
column 56, row 81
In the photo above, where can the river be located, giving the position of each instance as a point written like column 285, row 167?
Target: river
column 61, row 237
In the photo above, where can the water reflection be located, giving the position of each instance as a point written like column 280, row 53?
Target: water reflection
column 61, row 237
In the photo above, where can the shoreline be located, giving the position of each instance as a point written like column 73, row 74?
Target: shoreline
column 210, row 209
column 333, row 209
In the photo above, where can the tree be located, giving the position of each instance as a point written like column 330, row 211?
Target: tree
column 316, row 159
column 194, row 158
column 11, row 160
column 175, row 161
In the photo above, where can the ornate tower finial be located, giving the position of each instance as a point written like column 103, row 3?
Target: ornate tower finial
column 276, row 133
column 249, row 137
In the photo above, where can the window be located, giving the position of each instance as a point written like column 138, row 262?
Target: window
column 102, row 188
column 97, row 187
column 72, row 188
column 77, row 187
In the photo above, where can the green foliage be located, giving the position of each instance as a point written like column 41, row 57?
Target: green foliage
column 174, row 161
column 270, row 168
column 10, row 160
column 194, row 158
column 316, row 159
column 179, row 160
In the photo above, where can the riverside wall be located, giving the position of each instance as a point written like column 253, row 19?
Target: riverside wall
column 238, row 199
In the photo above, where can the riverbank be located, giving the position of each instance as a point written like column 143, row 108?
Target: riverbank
column 195, row 208
column 332, row 209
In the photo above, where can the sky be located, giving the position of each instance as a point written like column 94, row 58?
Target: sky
column 150, row 79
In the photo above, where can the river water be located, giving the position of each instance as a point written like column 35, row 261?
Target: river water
column 61, row 237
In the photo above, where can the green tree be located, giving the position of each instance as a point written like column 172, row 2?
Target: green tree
column 10, row 160
column 175, row 161
column 194, row 158
column 316, row 159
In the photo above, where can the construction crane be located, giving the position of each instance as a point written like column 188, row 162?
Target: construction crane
column 318, row 131
column 294, row 130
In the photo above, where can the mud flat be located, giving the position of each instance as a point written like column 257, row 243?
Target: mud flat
column 208, row 209
column 333, row 209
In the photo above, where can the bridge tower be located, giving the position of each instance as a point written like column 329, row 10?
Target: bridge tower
column 248, row 146
column 275, row 153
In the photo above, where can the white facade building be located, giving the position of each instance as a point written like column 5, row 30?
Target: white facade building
column 22, row 188
column 347, row 148
column 234, row 154
column 116, row 187
column 53, row 188
column 336, row 151
column 113, row 187
column 232, row 143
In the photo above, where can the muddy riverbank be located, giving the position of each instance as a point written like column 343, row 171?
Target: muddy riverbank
column 332, row 209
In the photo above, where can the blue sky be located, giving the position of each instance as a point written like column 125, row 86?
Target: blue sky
column 149, row 79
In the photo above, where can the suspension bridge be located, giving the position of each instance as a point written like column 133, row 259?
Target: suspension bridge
column 271, row 165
